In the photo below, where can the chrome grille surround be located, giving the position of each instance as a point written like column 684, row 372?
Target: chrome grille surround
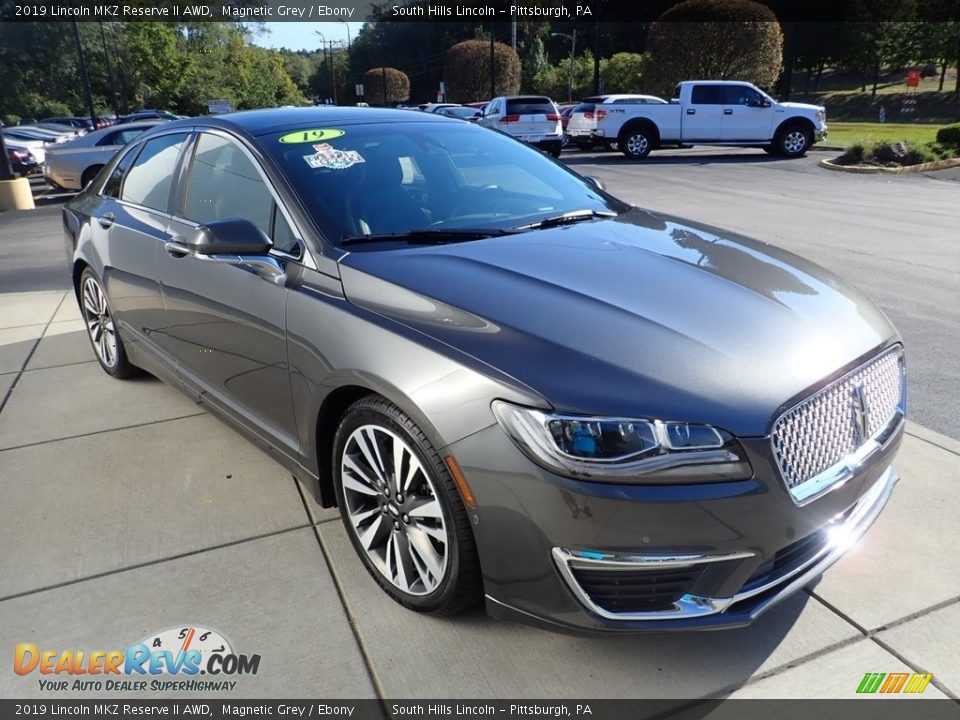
column 821, row 441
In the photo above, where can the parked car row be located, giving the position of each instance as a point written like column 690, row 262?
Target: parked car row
column 70, row 151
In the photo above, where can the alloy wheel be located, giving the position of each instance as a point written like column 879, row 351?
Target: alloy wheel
column 100, row 326
column 795, row 142
column 393, row 509
column 637, row 145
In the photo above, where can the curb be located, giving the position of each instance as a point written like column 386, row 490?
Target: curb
column 876, row 169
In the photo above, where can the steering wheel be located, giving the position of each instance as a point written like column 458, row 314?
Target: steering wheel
column 475, row 195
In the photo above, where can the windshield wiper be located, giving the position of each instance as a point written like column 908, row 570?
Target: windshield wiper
column 567, row 218
column 429, row 236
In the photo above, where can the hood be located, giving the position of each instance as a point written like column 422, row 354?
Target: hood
column 639, row 316
column 803, row 106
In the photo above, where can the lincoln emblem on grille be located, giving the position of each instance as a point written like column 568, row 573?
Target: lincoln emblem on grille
column 861, row 413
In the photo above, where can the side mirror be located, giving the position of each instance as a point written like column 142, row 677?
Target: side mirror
column 233, row 236
column 596, row 182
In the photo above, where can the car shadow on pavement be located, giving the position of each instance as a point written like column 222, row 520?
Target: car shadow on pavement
column 675, row 158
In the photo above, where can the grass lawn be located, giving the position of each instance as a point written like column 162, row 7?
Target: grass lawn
column 843, row 133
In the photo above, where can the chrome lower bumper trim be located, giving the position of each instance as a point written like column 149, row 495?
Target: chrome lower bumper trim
column 843, row 536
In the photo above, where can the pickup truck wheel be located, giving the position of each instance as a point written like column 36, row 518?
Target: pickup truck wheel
column 636, row 144
column 794, row 140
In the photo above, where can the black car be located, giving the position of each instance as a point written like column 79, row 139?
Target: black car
column 517, row 388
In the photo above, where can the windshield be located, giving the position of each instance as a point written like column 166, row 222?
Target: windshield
column 397, row 178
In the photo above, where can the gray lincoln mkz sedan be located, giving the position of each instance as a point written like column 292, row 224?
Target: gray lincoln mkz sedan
column 514, row 386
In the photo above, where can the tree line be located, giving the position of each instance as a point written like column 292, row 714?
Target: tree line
column 182, row 66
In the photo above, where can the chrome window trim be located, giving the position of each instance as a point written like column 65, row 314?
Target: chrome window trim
column 138, row 146
column 847, row 533
column 836, row 475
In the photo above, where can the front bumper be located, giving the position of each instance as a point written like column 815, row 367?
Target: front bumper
column 742, row 547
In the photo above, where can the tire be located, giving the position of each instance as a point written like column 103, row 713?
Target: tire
column 636, row 143
column 555, row 149
column 101, row 328
column 793, row 141
column 565, row 141
column 88, row 175
column 611, row 146
column 428, row 565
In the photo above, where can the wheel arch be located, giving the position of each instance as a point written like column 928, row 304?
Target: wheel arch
column 331, row 411
column 640, row 123
column 797, row 120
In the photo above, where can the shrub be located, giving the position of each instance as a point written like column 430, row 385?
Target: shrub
column 467, row 70
column 949, row 135
column 396, row 81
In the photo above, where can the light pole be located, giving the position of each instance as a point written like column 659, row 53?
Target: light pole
column 349, row 44
column 573, row 49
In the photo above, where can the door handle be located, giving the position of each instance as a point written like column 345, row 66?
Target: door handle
column 175, row 249
column 728, row 111
column 691, row 111
column 107, row 220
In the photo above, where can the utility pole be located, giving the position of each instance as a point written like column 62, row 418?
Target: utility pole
column 333, row 73
column 106, row 57
column 573, row 49
column 83, row 72
column 493, row 69
column 596, row 57
column 6, row 171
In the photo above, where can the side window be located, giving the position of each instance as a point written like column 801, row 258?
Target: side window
column 112, row 187
column 224, row 183
column 149, row 180
column 741, row 95
column 707, row 95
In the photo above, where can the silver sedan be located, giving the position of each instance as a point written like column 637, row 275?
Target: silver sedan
column 72, row 165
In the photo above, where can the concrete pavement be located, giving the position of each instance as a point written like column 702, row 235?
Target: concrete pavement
column 124, row 509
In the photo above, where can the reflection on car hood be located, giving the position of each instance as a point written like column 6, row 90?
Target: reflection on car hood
column 643, row 315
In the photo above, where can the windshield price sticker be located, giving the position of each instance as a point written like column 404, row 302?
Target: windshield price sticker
column 311, row 136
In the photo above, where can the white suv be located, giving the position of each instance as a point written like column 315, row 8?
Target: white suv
column 586, row 115
column 531, row 118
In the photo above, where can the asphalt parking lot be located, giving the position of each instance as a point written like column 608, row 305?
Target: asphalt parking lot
column 125, row 509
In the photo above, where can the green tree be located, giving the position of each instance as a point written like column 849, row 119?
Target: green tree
column 623, row 73
column 467, row 70
column 555, row 80
column 715, row 40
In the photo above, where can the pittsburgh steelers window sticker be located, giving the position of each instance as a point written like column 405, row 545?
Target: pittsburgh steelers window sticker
column 330, row 158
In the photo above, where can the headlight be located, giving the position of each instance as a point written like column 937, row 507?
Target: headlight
column 623, row 449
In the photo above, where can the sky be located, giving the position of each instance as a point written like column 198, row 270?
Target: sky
column 300, row 35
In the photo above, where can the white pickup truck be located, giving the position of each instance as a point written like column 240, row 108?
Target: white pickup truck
column 714, row 112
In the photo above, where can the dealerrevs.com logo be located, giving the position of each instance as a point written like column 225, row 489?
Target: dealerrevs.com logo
column 170, row 660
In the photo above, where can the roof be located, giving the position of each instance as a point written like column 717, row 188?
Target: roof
column 264, row 122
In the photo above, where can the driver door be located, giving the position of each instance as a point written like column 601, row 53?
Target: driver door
column 747, row 116
column 226, row 315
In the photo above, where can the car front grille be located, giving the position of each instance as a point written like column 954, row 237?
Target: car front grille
column 639, row 590
column 829, row 427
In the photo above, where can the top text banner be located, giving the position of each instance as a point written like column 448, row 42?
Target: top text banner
column 296, row 10
column 480, row 11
